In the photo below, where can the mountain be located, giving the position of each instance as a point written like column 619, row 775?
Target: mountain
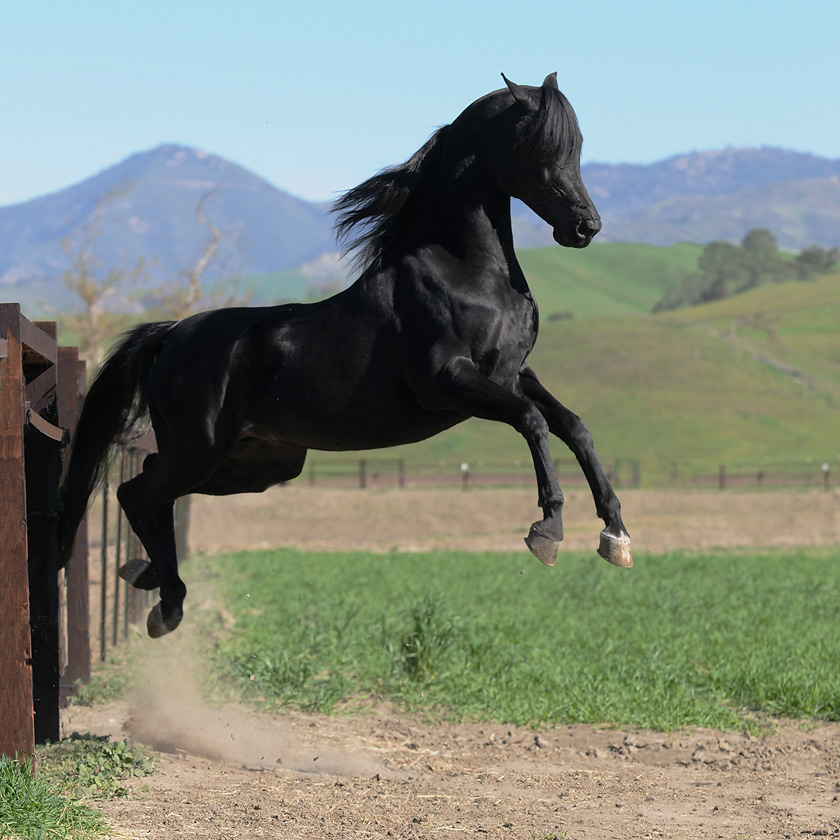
column 264, row 228
column 696, row 198
column 704, row 196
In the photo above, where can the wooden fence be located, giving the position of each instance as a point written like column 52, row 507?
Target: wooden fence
column 814, row 475
column 45, row 646
column 380, row 473
column 40, row 393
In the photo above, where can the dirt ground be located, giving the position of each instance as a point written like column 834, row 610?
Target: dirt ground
column 232, row 773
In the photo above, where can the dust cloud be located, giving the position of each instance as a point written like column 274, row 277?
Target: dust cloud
column 169, row 713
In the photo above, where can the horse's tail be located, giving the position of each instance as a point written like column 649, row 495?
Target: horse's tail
column 115, row 401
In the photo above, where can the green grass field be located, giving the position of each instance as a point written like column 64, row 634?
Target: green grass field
column 717, row 639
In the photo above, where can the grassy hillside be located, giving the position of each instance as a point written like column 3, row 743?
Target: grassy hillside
column 795, row 326
column 604, row 280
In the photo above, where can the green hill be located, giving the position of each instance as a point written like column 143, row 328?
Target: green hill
column 604, row 280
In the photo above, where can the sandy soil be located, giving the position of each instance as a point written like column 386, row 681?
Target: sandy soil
column 498, row 520
column 231, row 773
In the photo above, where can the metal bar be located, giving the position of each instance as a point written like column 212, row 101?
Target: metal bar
column 45, row 427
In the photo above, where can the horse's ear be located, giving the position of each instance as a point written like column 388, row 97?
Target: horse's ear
column 551, row 81
column 522, row 95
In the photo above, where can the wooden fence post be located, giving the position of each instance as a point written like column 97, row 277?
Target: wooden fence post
column 71, row 389
column 43, row 440
column 17, row 724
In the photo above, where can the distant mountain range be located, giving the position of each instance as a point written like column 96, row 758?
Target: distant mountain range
column 696, row 197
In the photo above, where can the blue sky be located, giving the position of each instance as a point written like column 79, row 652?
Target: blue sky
column 316, row 96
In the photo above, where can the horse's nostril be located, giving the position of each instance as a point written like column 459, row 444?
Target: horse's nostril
column 588, row 227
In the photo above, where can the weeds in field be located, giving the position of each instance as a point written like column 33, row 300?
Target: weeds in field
column 721, row 639
column 31, row 809
column 52, row 803
column 91, row 767
column 421, row 649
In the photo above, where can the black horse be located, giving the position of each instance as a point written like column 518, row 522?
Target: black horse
column 435, row 330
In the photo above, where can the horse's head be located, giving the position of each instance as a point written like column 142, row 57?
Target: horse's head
column 540, row 162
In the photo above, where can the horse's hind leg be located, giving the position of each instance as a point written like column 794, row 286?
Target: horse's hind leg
column 138, row 571
column 150, row 514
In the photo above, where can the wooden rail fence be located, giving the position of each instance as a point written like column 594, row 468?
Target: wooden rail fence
column 41, row 386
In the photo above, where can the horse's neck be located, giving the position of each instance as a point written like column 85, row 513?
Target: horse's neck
column 471, row 221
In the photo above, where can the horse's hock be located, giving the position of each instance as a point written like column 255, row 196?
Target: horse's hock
column 44, row 646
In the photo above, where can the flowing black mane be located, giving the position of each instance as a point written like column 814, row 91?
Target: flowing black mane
column 371, row 214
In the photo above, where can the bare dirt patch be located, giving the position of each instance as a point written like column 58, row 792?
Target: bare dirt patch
column 497, row 520
column 232, row 773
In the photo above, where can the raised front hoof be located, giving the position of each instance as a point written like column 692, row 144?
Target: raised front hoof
column 543, row 547
column 616, row 550
column 159, row 624
column 132, row 570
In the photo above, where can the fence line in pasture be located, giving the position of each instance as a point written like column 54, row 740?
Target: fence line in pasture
column 380, row 473
column 815, row 475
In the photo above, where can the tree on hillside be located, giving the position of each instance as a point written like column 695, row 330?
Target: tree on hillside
column 188, row 295
column 724, row 269
column 760, row 240
column 815, row 260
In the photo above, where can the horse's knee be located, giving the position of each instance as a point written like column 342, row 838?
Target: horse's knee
column 532, row 425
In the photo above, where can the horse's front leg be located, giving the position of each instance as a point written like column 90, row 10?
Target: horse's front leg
column 615, row 541
column 462, row 388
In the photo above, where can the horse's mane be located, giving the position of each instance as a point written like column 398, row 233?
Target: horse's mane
column 370, row 214
column 554, row 127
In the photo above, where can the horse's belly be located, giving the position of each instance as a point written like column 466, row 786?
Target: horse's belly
column 362, row 427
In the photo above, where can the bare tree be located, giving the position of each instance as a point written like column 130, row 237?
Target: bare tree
column 181, row 299
column 102, row 290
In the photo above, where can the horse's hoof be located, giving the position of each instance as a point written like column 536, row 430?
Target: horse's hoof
column 616, row 550
column 543, row 547
column 132, row 570
column 157, row 625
